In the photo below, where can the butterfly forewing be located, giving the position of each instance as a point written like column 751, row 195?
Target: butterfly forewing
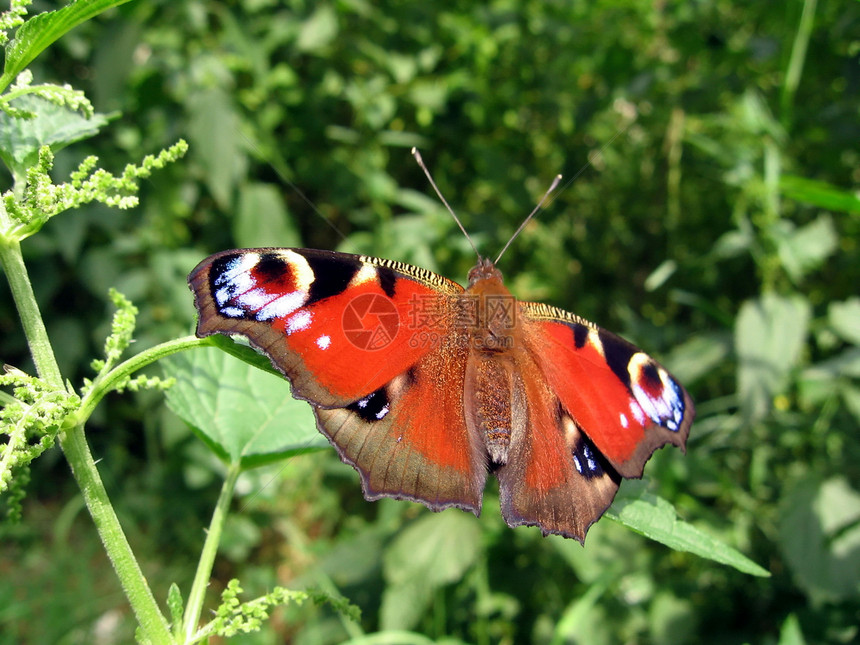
column 318, row 315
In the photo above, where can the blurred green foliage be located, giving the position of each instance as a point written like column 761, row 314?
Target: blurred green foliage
column 712, row 217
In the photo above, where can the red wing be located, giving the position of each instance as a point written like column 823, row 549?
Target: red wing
column 554, row 477
column 372, row 344
column 409, row 439
column 621, row 398
column 339, row 326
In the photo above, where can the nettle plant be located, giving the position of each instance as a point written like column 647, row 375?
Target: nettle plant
column 45, row 409
column 36, row 120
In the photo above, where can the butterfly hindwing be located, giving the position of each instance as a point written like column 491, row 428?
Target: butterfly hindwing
column 408, row 440
column 554, row 477
column 623, row 400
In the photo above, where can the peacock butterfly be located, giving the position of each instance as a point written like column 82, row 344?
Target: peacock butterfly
column 424, row 386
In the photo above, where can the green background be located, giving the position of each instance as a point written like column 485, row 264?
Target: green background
column 708, row 213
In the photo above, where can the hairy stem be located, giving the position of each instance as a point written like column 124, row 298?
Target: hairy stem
column 152, row 622
column 74, row 446
column 28, row 310
column 194, row 607
column 109, row 381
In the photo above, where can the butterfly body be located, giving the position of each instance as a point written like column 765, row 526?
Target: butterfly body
column 425, row 387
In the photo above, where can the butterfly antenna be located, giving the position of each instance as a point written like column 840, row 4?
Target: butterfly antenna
column 543, row 199
column 420, row 161
column 278, row 166
column 555, row 185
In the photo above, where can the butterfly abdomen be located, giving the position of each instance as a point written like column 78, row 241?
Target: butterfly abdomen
column 492, row 398
column 487, row 403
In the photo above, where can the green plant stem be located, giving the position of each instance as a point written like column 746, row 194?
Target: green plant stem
column 797, row 59
column 194, row 606
column 350, row 626
column 105, row 383
column 31, row 318
column 152, row 623
column 77, row 452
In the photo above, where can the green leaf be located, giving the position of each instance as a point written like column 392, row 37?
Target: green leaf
column 318, row 31
column 355, row 560
column 824, row 380
column 671, row 618
column 39, row 32
column 433, row 551
column 819, row 193
column 176, row 605
column 215, row 135
column 400, row 637
column 769, row 335
column 244, row 353
column 851, row 396
column 698, row 356
column 53, row 125
column 242, row 413
column 845, row 319
column 845, row 363
column 732, row 244
column 659, row 275
column 804, row 249
column 262, row 219
column 790, row 633
column 820, row 536
column 655, row 518
column 575, row 619
column 240, row 537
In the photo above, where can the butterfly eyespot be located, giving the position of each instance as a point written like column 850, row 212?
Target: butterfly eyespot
column 585, row 459
column 586, row 450
column 372, row 408
column 665, row 407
